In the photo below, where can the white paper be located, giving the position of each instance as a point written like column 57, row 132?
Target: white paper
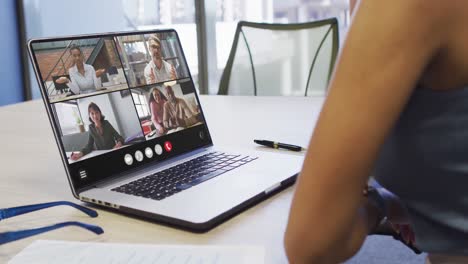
column 50, row 252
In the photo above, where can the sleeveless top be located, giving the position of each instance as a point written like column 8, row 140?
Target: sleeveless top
column 424, row 161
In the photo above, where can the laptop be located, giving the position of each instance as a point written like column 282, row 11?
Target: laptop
column 142, row 146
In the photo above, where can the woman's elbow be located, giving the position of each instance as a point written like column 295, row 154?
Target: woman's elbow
column 299, row 249
column 294, row 251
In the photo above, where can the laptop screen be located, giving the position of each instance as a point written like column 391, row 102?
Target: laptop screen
column 118, row 101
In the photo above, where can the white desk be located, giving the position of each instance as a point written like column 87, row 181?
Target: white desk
column 32, row 172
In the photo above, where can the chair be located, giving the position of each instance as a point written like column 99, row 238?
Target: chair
column 281, row 59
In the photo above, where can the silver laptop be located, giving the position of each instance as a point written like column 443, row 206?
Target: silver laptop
column 133, row 137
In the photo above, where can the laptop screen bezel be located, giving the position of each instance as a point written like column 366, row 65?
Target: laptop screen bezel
column 55, row 126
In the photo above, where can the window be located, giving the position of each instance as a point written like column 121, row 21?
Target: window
column 46, row 18
column 141, row 104
column 229, row 12
column 70, row 118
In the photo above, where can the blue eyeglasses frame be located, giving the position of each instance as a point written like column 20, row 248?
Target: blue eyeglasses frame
column 11, row 236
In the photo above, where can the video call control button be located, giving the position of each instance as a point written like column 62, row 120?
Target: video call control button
column 128, row 159
column 149, row 153
column 139, row 156
column 158, row 149
column 168, row 146
column 83, row 174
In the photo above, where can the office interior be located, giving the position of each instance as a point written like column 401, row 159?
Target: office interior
column 206, row 29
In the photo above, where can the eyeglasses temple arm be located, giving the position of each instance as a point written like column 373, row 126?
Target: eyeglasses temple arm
column 14, row 211
column 7, row 237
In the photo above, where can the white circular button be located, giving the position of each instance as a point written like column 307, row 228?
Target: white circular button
column 128, row 159
column 138, row 155
column 158, row 149
column 149, row 153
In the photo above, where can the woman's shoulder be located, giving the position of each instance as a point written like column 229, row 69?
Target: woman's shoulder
column 424, row 13
column 105, row 122
column 414, row 22
column 92, row 127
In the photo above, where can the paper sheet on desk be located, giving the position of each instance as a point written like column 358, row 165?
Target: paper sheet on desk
column 50, row 251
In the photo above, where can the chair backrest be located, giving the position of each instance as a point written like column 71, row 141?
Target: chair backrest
column 281, row 59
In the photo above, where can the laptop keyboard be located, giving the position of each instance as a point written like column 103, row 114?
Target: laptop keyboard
column 170, row 181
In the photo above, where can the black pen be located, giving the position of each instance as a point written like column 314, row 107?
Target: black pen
column 277, row 145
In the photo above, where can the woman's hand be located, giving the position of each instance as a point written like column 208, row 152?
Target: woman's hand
column 396, row 211
column 62, row 80
column 397, row 215
column 76, row 155
column 100, row 72
column 160, row 130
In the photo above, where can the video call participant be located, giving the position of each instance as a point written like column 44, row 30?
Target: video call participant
column 83, row 77
column 156, row 104
column 102, row 135
column 177, row 113
column 158, row 70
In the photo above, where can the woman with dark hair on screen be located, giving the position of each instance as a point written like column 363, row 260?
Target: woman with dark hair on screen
column 156, row 104
column 83, row 77
column 396, row 109
column 102, row 135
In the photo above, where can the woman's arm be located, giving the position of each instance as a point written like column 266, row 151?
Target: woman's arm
column 117, row 137
column 72, row 82
column 90, row 145
column 154, row 119
column 388, row 47
column 96, row 80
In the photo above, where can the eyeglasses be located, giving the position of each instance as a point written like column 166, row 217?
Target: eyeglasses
column 7, row 237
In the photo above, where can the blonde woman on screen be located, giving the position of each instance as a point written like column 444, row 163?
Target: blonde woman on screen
column 156, row 105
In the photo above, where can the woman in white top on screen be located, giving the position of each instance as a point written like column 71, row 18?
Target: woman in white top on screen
column 158, row 70
column 83, row 77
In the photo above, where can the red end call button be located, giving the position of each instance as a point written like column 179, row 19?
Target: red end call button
column 168, row 146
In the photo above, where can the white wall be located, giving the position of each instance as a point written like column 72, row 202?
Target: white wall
column 126, row 114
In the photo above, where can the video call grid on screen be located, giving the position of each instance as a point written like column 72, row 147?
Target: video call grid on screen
column 137, row 86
